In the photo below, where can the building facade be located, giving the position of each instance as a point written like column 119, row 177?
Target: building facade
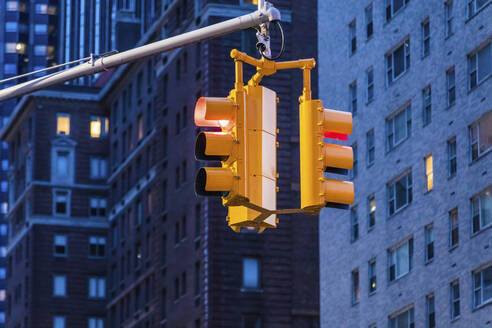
column 414, row 249
column 57, row 251
column 173, row 261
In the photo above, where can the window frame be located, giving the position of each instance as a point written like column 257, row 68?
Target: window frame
column 452, row 157
column 101, row 201
column 104, row 126
column 430, row 314
column 429, row 172
column 68, row 202
column 453, row 216
column 406, row 110
column 474, row 68
column 425, row 36
column 393, row 261
column 389, row 9
column 352, row 37
column 472, row 9
column 65, row 289
column 371, row 148
column 411, row 317
column 100, row 173
column 390, row 56
column 100, row 241
column 449, row 18
column 427, row 105
column 451, row 87
column 97, row 295
column 480, row 288
column 353, row 101
column 355, row 283
column 371, row 214
column 455, row 299
column 372, row 274
column 429, row 243
column 474, row 213
column 354, row 224
column 58, row 129
column 391, row 192
column 245, row 287
column 370, row 85
column 65, row 253
column 369, row 19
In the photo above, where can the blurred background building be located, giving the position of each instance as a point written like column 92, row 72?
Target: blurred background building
column 415, row 249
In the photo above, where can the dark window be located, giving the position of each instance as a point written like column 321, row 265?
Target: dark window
column 431, row 314
column 354, row 223
column 352, row 37
column 251, row 321
column 399, row 193
column 397, row 62
column 425, row 38
column 371, row 210
column 451, row 86
column 97, row 246
column 400, row 260
column 197, row 278
column 370, row 84
column 369, row 21
column 398, row 128
column 452, row 164
column 371, row 147
column 392, row 8
column 355, row 287
column 454, row 236
column 183, row 283
column 426, row 105
column 455, row 299
column 60, row 245
column 353, row 97
column 429, row 243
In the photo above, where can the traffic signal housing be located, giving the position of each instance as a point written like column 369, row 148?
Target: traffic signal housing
column 244, row 141
column 318, row 157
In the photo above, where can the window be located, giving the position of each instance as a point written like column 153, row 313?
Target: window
column 429, row 172
column 178, row 122
column 482, row 286
column 399, row 193
column 60, row 245
column 251, row 273
column 429, row 243
column 397, row 62
column 10, row 69
column 448, row 10
column 96, row 323
column 393, row 6
column 183, row 172
column 198, row 219
column 482, row 210
column 59, row 285
column 427, row 105
column 370, row 84
column 97, row 247
column 371, row 212
column 139, row 217
column 454, row 236
column 11, row 26
column 372, row 276
column 355, row 287
column 62, row 202
column 455, row 299
column 40, row 29
column 97, row 287
column 354, row 225
column 353, row 97
column 481, row 136
column 400, row 260
column 197, row 278
column 63, row 124
column 178, row 68
column 479, row 66
column 99, row 126
column 403, row 319
column 474, row 6
column 452, row 165
column 251, row 321
column 451, row 87
column 62, row 166
column 430, row 311
column 59, row 322
column 183, row 283
column 183, row 227
column 164, row 89
column 371, row 147
column 176, row 233
column 176, row 288
column 398, row 128
column 425, row 38
column 352, row 37
column 97, row 207
column 99, row 167
column 355, row 166
column 140, row 127
column 369, row 22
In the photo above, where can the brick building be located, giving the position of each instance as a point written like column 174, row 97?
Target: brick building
column 414, row 250
column 174, row 262
column 56, row 271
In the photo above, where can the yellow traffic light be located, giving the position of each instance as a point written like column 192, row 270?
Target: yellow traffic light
column 318, row 157
column 246, row 148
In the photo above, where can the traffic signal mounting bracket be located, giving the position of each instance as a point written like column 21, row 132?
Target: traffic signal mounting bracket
column 247, row 179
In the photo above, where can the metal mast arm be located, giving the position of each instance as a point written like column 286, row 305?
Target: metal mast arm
column 266, row 13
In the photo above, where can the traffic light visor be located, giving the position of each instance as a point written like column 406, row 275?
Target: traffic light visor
column 214, row 112
column 213, row 181
column 213, row 146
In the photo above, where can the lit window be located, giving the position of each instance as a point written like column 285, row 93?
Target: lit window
column 251, row 273
column 10, row 69
column 99, row 126
column 481, row 136
column 60, row 245
column 12, row 48
column 40, row 50
column 140, row 132
column 59, row 285
column 63, row 124
column 96, row 323
column 59, row 322
column 97, row 287
column 4, row 207
column 399, row 193
column 61, row 202
column 481, row 210
column 40, row 29
column 12, row 5
column 455, row 299
column 372, row 276
column 11, row 27
column 398, row 128
column 393, row 7
column 41, row 9
column 3, row 273
column 430, row 311
column 97, row 207
column 448, row 7
column 474, row 6
column 3, row 251
column 482, row 287
column 2, row 295
column 429, row 243
column 99, row 168
column 453, row 228
column 479, row 66
column 397, row 62
column 425, row 38
column 403, row 319
column 4, row 186
column 429, row 174
column 400, row 260
column 97, row 246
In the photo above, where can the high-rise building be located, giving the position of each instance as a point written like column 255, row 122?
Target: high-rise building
column 174, row 262
column 414, row 250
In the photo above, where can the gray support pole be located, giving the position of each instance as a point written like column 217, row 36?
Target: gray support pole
column 266, row 14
